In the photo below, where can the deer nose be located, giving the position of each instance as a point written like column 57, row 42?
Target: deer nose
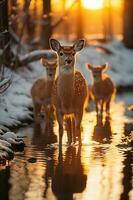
column 42, row 114
column 50, row 75
column 68, row 61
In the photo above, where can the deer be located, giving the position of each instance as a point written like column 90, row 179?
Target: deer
column 70, row 91
column 41, row 92
column 103, row 89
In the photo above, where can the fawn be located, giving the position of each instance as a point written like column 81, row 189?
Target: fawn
column 70, row 91
column 41, row 91
column 103, row 88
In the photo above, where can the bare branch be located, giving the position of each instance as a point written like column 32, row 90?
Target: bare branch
column 34, row 56
column 16, row 39
column 4, row 84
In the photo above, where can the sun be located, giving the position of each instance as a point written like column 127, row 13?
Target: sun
column 92, row 4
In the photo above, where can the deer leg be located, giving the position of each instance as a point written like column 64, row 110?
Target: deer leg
column 78, row 119
column 44, row 118
column 108, row 106
column 50, row 119
column 73, row 130
column 96, row 106
column 60, row 122
column 101, row 111
column 69, row 130
column 37, row 109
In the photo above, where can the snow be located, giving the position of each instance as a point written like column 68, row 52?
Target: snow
column 9, row 142
column 120, row 62
column 15, row 102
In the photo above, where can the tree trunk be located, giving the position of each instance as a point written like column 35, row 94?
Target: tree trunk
column 128, row 24
column 30, row 26
column 13, row 11
column 79, row 21
column 65, row 23
column 107, row 21
column 47, row 28
column 4, row 31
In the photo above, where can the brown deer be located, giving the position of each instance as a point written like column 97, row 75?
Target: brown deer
column 70, row 91
column 103, row 88
column 42, row 90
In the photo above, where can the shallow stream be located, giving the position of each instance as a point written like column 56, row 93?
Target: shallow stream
column 101, row 169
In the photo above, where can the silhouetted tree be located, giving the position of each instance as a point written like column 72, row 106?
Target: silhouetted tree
column 4, row 31
column 65, row 23
column 13, row 10
column 30, row 26
column 47, row 28
column 79, row 21
column 128, row 23
column 107, row 18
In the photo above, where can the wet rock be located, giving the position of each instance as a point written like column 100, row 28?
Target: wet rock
column 5, row 143
column 12, row 139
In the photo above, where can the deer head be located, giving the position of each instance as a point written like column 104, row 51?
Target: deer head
column 50, row 66
column 97, row 71
column 66, row 54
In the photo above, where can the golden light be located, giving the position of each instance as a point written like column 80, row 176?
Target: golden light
column 92, row 4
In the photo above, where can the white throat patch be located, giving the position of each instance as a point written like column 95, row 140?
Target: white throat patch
column 65, row 70
column 96, row 78
column 49, row 78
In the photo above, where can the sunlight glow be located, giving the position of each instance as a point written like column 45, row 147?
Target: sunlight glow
column 93, row 4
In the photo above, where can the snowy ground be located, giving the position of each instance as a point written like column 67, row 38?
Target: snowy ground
column 15, row 102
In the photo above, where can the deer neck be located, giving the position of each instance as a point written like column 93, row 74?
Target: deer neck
column 66, row 85
column 98, row 80
column 49, row 87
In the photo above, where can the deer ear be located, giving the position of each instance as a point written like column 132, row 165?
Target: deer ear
column 78, row 45
column 90, row 67
column 54, row 44
column 104, row 67
column 44, row 62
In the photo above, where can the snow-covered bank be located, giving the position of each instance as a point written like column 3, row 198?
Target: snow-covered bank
column 15, row 102
column 120, row 62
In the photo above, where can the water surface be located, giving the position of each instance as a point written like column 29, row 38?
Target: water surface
column 101, row 169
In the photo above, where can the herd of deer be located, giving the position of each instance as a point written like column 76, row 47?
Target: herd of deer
column 67, row 93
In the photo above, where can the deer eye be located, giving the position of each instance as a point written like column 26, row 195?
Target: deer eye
column 73, row 54
column 61, row 54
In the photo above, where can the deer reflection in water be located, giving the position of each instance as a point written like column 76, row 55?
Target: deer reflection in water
column 102, row 130
column 69, row 177
column 43, row 136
